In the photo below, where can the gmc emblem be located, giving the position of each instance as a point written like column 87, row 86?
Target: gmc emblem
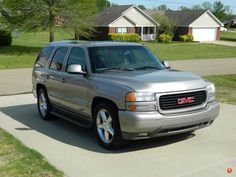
column 185, row 100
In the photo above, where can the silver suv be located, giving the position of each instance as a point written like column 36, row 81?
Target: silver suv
column 121, row 90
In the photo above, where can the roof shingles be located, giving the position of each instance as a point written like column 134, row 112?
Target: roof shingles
column 107, row 16
column 184, row 18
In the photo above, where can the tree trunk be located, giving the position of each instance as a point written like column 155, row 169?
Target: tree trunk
column 52, row 20
column 51, row 38
column 76, row 36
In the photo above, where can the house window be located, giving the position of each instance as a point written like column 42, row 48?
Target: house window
column 122, row 30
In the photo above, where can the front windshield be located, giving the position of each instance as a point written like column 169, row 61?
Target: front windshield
column 126, row 58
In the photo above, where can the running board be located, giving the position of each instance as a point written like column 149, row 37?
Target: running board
column 71, row 117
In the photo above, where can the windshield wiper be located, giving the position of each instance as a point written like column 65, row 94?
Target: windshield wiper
column 147, row 67
column 114, row 69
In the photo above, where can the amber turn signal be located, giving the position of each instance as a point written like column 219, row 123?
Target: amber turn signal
column 131, row 96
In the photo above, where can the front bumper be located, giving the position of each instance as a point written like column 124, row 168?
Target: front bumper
column 139, row 125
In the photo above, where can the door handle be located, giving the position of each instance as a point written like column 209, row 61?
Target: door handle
column 49, row 76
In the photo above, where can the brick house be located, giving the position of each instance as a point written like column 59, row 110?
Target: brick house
column 125, row 19
column 202, row 24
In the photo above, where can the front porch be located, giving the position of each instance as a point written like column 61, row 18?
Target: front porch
column 146, row 33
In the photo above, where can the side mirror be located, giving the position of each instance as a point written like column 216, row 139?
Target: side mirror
column 166, row 64
column 75, row 69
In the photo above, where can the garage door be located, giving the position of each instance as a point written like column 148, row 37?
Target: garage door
column 204, row 34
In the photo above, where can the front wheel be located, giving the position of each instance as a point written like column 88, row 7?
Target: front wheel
column 106, row 126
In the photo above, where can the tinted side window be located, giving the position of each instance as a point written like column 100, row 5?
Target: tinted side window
column 58, row 58
column 77, row 56
column 43, row 57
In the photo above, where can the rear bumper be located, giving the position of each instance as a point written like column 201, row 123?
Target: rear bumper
column 139, row 125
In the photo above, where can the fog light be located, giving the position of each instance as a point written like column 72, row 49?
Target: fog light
column 132, row 107
column 142, row 134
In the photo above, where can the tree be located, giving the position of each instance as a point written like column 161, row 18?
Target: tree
column 102, row 4
column 162, row 7
column 41, row 15
column 166, row 25
column 220, row 10
column 80, row 21
column 184, row 8
column 207, row 6
column 142, row 7
column 197, row 7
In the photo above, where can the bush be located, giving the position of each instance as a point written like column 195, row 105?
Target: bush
column 186, row 37
column 131, row 37
column 165, row 38
column 5, row 38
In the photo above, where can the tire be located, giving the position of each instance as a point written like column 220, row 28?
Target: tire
column 106, row 126
column 43, row 104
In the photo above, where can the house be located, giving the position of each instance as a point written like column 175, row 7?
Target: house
column 231, row 22
column 125, row 19
column 202, row 24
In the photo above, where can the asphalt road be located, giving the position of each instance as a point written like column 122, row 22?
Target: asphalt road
column 206, row 153
column 18, row 81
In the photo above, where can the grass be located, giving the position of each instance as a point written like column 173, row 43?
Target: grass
column 225, row 87
column 24, row 50
column 188, row 51
column 228, row 36
column 18, row 160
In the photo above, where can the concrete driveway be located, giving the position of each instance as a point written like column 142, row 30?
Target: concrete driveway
column 206, row 153
column 220, row 42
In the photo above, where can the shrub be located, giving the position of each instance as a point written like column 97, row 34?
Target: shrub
column 5, row 38
column 131, row 37
column 165, row 38
column 186, row 37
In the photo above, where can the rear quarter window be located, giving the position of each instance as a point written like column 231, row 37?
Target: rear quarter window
column 43, row 57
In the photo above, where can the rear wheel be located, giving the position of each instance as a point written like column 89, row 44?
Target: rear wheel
column 43, row 103
column 106, row 126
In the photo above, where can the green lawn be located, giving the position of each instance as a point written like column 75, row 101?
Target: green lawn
column 228, row 36
column 225, row 87
column 186, row 51
column 25, row 48
column 17, row 160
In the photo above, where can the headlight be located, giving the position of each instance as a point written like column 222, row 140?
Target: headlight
column 211, row 90
column 140, row 96
column 140, row 101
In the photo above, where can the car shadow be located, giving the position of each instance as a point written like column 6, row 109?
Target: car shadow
column 74, row 135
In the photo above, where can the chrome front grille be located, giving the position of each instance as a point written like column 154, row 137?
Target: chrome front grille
column 182, row 101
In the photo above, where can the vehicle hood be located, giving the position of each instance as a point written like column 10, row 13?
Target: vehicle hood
column 155, row 81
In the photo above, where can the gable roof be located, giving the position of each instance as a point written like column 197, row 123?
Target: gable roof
column 107, row 16
column 185, row 18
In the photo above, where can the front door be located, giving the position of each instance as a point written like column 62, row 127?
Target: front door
column 76, row 85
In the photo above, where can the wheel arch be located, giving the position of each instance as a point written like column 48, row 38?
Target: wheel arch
column 97, row 100
column 39, row 86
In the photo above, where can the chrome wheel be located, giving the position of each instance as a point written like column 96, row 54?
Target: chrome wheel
column 104, row 126
column 43, row 104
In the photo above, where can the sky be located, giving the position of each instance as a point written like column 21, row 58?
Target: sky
column 173, row 4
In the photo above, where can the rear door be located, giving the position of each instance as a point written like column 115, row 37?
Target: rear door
column 55, row 77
